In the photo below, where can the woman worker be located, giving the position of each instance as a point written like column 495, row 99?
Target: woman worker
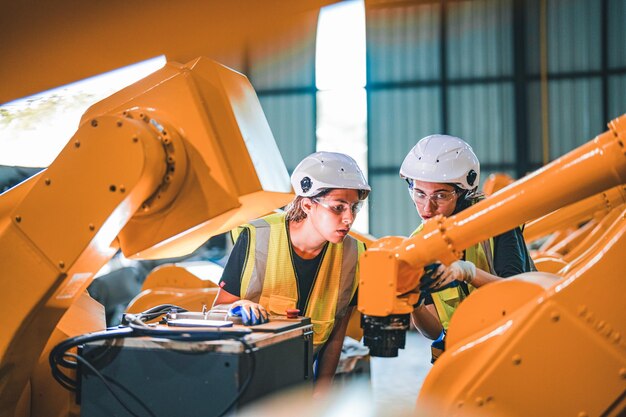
column 443, row 173
column 303, row 258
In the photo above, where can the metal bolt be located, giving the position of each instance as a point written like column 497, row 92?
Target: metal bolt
column 167, row 141
column 18, row 218
column 135, row 139
column 61, row 264
column 622, row 373
column 77, row 144
column 600, row 325
column 480, row 401
column 582, row 310
column 616, row 337
column 517, row 359
column 119, row 123
column 170, row 159
column 391, row 284
column 122, row 189
column 47, row 181
column 555, row 316
column 583, row 414
column 92, row 227
column 94, row 123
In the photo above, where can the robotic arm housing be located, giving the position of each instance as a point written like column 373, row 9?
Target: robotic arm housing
column 156, row 169
column 391, row 269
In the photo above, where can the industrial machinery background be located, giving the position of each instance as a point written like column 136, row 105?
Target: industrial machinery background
column 154, row 170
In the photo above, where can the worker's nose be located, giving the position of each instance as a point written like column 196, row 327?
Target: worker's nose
column 430, row 206
column 348, row 217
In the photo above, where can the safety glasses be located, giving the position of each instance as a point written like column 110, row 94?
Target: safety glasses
column 438, row 198
column 339, row 208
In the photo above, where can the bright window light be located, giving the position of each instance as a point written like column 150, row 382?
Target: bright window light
column 33, row 130
column 340, row 52
column 340, row 79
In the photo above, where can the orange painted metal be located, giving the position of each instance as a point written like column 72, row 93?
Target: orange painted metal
column 519, row 348
column 155, row 169
column 577, row 213
column 495, row 182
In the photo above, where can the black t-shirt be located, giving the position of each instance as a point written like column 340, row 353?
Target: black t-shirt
column 305, row 271
column 510, row 256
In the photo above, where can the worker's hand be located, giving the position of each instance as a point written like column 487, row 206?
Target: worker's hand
column 464, row 271
column 251, row 313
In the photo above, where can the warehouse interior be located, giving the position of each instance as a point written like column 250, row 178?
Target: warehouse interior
column 535, row 87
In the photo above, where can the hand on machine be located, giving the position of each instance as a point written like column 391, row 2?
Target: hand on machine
column 438, row 277
column 251, row 313
column 464, row 271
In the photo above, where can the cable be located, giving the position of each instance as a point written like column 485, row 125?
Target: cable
column 108, row 386
column 153, row 313
column 59, row 355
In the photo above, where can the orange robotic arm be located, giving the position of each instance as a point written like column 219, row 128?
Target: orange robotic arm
column 155, row 169
column 511, row 341
column 599, row 204
column 392, row 268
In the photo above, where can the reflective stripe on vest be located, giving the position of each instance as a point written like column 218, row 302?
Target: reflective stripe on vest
column 447, row 300
column 269, row 277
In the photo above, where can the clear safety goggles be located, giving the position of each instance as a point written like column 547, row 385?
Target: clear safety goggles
column 339, row 208
column 438, row 198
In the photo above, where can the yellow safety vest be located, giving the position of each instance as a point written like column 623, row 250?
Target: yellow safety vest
column 269, row 277
column 447, row 300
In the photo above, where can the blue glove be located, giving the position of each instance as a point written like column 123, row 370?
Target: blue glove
column 251, row 313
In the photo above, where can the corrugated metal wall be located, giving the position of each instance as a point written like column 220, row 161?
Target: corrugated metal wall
column 574, row 62
column 283, row 75
column 403, row 47
column 479, row 38
column 616, row 57
column 472, row 69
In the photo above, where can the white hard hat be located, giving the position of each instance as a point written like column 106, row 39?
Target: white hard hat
column 322, row 170
column 442, row 158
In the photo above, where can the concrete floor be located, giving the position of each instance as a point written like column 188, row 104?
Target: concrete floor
column 390, row 390
column 397, row 381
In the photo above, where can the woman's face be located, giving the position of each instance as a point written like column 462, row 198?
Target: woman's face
column 333, row 214
column 433, row 198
